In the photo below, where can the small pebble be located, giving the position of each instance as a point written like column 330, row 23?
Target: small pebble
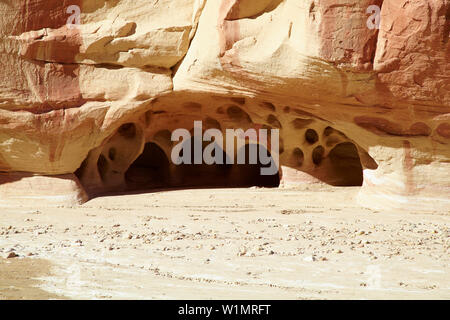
column 11, row 255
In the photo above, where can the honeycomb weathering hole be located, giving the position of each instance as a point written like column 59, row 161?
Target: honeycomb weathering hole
column 317, row 155
column 327, row 131
column 341, row 166
column 237, row 114
column 311, row 136
column 128, row 130
column 299, row 156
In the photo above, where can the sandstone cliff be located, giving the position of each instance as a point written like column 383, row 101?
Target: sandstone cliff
column 87, row 106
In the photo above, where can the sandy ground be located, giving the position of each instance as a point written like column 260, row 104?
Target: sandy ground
column 224, row 244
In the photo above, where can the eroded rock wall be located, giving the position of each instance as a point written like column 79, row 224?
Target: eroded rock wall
column 354, row 104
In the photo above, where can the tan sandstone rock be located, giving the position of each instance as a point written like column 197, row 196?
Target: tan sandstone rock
column 96, row 103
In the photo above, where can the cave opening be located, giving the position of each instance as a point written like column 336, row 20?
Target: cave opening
column 344, row 165
column 249, row 174
column 149, row 170
column 153, row 170
column 201, row 175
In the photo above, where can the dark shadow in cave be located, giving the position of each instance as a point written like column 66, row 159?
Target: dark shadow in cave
column 201, row 175
column 344, row 166
column 149, row 170
column 152, row 170
column 249, row 175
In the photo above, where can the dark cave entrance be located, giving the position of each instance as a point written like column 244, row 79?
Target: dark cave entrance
column 249, row 174
column 149, row 170
column 222, row 175
column 344, row 166
column 107, row 171
column 201, row 175
column 153, row 170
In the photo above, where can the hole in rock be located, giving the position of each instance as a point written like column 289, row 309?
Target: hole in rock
column 149, row 170
column 299, row 156
column 237, row 114
column 127, row 130
column 152, row 169
column 112, row 154
column 249, row 174
column 311, row 136
column 327, row 131
column 341, row 167
column 345, row 165
column 310, row 149
column 200, row 175
column 317, row 155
